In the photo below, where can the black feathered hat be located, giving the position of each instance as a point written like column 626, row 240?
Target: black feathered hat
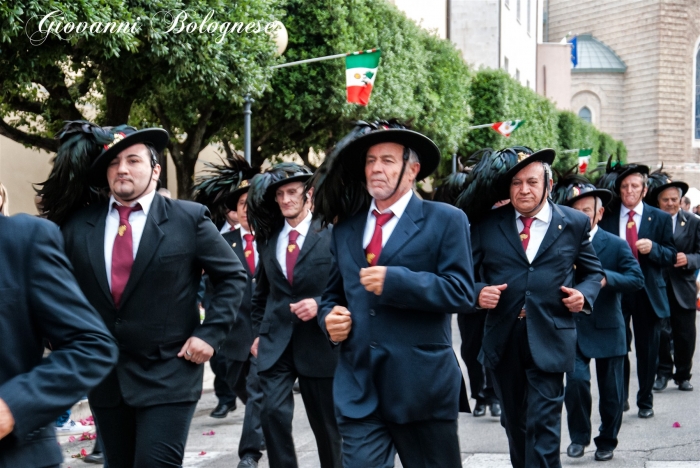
column 264, row 214
column 574, row 187
column 224, row 184
column 123, row 137
column 660, row 181
column 545, row 155
column 626, row 171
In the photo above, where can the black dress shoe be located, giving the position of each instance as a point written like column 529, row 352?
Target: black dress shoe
column 626, row 406
column 646, row 413
column 660, row 383
column 248, row 462
column 479, row 410
column 685, row 386
column 603, row 455
column 496, row 410
column 575, row 450
column 296, row 388
column 222, row 409
column 96, row 458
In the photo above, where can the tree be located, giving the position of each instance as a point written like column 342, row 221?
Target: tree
column 149, row 74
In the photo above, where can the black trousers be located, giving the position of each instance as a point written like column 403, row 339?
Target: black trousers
column 150, row 437
column 683, row 332
column 647, row 332
column 251, row 435
column 373, row 443
column 610, row 374
column 278, row 410
column 531, row 403
column 471, row 329
column 226, row 373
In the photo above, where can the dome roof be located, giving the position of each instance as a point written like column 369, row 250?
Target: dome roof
column 596, row 57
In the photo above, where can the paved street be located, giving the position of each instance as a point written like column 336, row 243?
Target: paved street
column 652, row 443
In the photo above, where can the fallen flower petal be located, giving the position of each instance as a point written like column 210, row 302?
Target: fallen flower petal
column 71, row 439
column 210, row 433
column 84, row 453
column 676, row 424
column 202, row 453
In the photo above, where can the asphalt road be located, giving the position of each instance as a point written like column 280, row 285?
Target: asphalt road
column 644, row 443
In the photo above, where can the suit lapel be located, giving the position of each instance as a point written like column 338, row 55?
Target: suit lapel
column 645, row 224
column 150, row 239
column 599, row 243
column 272, row 248
column 312, row 236
column 238, row 246
column 405, row 229
column 96, row 250
column 510, row 231
column 556, row 227
column 354, row 240
column 681, row 227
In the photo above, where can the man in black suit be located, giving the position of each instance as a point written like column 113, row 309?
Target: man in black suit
column 525, row 256
column 649, row 235
column 139, row 260
column 40, row 300
column 682, row 293
column 294, row 265
column 600, row 335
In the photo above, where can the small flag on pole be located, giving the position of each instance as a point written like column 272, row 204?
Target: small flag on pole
column 574, row 51
column 360, row 73
column 584, row 158
column 507, row 127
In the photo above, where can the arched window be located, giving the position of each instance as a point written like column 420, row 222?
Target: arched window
column 585, row 114
column 697, row 95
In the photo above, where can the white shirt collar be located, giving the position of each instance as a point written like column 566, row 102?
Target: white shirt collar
column 398, row 207
column 637, row 209
column 593, row 231
column 244, row 231
column 146, row 201
column 543, row 215
column 302, row 228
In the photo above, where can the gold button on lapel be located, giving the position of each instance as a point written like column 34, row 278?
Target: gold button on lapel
column 233, row 245
column 649, row 218
column 560, row 227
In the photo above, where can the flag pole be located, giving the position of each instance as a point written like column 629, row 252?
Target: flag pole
column 319, row 59
column 481, row 126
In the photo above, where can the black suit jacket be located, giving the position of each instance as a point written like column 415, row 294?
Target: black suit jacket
column 657, row 227
column 687, row 240
column 240, row 338
column 40, row 300
column 499, row 258
column 602, row 333
column 274, row 322
column 158, row 310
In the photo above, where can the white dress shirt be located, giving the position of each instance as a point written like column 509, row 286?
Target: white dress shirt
column 674, row 217
column 397, row 208
column 624, row 218
column 593, row 231
column 244, row 231
column 137, row 220
column 283, row 240
column 538, row 229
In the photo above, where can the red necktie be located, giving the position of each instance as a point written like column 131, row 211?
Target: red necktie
column 631, row 234
column 292, row 255
column 249, row 252
column 122, row 252
column 374, row 248
column 525, row 233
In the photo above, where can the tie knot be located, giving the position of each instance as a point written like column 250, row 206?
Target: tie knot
column 382, row 218
column 293, row 235
column 125, row 211
column 249, row 238
column 631, row 215
column 527, row 221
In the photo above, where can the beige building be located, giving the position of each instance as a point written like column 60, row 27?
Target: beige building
column 640, row 81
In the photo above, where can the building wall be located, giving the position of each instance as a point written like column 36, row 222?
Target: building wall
column 603, row 94
column 474, row 29
column 518, row 46
column 554, row 73
column 429, row 15
column 21, row 167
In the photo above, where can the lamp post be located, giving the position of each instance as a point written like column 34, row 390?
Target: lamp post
column 279, row 35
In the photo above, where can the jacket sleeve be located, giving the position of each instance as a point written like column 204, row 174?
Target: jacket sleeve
column 448, row 290
column 588, row 270
column 334, row 294
column 259, row 300
column 663, row 253
column 227, row 277
column 694, row 256
column 83, row 353
column 628, row 277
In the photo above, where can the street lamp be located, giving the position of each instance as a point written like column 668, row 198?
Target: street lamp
column 281, row 38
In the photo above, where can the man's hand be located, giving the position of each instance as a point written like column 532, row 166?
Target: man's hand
column 603, row 283
column 575, row 300
column 305, row 309
column 681, row 260
column 196, row 350
column 489, row 296
column 7, row 421
column 338, row 324
column 254, row 347
column 372, row 279
column 643, row 246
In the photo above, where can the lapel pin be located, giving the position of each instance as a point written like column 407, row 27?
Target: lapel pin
column 560, row 227
column 233, row 245
column 682, row 223
column 649, row 218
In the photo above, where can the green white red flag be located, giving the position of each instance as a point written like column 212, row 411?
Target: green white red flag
column 584, row 158
column 360, row 73
column 507, row 127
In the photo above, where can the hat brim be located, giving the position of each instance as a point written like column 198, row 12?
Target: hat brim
column 232, row 200
column 635, row 169
column 353, row 155
column 654, row 194
column 297, row 178
column 545, row 155
column 605, row 196
column 154, row 136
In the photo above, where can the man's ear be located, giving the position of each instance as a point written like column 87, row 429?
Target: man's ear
column 156, row 172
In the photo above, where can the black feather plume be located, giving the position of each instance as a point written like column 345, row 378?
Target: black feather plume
column 612, row 171
column 656, row 179
column 564, row 180
column 220, row 180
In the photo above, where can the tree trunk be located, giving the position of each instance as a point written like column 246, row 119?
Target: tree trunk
column 118, row 109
